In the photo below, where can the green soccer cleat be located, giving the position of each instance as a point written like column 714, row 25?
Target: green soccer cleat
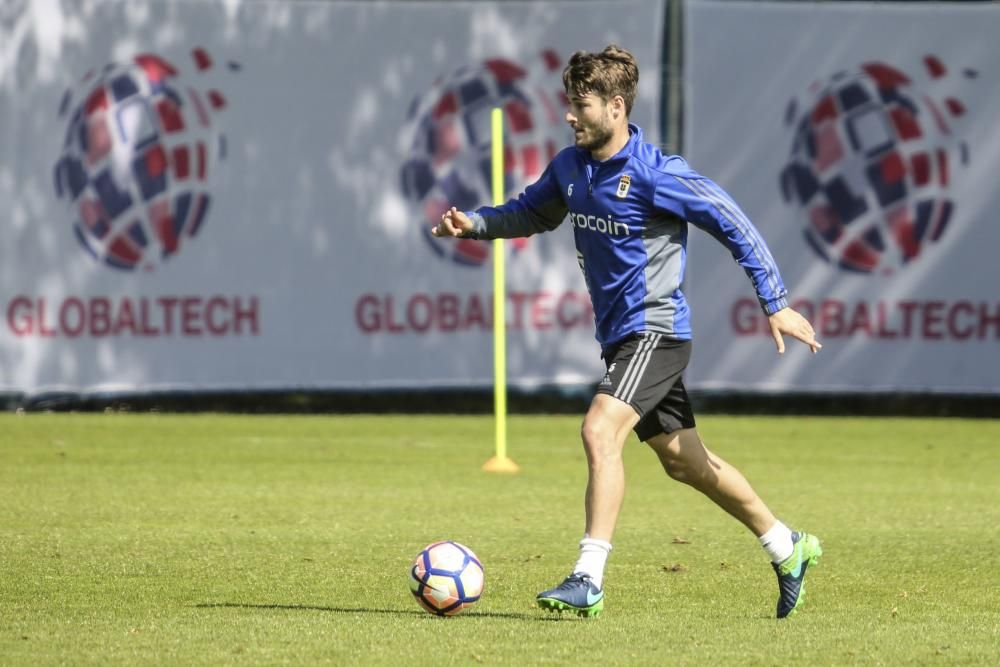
column 792, row 572
column 577, row 593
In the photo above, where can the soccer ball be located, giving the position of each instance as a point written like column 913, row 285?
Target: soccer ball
column 446, row 578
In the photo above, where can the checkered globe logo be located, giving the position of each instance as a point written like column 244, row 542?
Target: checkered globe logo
column 134, row 167
column 447, row 141
column 873, row 157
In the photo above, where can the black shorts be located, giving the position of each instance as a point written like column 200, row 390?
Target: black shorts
column 644, row 370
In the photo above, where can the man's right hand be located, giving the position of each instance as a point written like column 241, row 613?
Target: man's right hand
column 453, row 223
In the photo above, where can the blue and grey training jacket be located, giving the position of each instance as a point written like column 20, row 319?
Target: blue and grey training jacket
column 629, row 216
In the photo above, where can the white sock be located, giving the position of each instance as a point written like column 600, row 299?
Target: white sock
column 777, row 542
column 593, row 557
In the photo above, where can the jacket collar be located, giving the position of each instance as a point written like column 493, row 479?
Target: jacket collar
column 634, row 139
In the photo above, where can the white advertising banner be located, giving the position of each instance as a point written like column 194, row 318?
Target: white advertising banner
column 864, row 142
column 238, row 195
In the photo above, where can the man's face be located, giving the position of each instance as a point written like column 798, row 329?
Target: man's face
column 590, row 118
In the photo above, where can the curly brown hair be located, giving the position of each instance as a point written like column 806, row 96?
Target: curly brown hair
column 611, row 72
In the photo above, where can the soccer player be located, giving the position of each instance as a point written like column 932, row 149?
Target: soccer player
column 629, row 206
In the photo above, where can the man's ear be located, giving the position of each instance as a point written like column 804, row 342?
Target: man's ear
column 617, row 106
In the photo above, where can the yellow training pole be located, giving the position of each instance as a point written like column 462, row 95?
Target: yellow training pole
column 499, row 462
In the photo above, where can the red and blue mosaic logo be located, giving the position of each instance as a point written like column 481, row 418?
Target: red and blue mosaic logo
column 140, row 144
column 873, row 158
column 448, row 141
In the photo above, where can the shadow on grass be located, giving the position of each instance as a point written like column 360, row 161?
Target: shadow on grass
column 360, row 610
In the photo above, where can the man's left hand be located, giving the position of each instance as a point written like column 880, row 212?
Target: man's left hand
column 789, row 321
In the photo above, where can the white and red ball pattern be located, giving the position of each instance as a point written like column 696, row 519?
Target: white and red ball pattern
column 446, row 578
column 448, row 143
column 134, row 166
column 872, row 160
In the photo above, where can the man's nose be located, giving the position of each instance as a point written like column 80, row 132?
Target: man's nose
column 570, row 118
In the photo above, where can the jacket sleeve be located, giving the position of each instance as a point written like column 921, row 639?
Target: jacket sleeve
column 702, row 202
column 540, row 208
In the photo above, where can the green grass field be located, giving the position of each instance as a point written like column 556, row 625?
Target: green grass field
column 210, row 539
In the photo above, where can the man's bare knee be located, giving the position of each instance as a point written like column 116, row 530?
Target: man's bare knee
column 677, row 468
column 599, row 441
column 605, row 428
column 682, row 455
